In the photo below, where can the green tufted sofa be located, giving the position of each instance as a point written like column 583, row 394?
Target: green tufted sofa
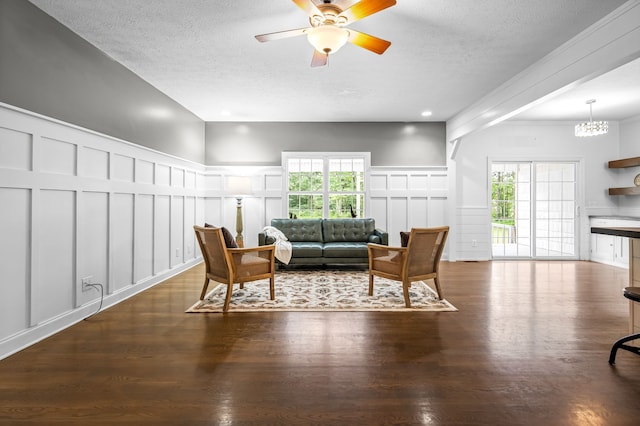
column 328, row 241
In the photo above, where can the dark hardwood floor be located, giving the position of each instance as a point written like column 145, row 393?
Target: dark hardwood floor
column 529, row 346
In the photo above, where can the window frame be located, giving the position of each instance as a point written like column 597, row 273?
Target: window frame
column 326, row 158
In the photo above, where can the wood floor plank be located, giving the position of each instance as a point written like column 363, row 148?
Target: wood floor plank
column 528, row 346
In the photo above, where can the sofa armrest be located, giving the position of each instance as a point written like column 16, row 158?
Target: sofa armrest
column 383, row 237
column 264, row 240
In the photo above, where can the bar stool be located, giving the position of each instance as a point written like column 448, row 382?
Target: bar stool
column 631, row 293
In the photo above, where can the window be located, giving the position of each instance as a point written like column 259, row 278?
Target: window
column 325, row 185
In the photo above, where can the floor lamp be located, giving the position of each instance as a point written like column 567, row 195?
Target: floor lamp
column 239, row 187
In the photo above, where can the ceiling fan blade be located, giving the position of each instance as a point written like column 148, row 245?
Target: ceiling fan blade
column 369, row 42
column 281, row 34
column 319, row 59
column 365, row 8
column 308, row 6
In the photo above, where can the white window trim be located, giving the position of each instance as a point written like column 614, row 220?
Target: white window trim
column 325, row 156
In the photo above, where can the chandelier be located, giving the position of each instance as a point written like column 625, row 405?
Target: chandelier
column 591, row 128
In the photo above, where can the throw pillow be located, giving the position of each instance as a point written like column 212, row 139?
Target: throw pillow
column 229, row 241
column 404, row 238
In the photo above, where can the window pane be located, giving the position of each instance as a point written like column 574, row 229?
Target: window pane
column 305, row 206
column 346, row 205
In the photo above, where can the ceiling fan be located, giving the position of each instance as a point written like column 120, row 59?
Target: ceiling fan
column 327, row 33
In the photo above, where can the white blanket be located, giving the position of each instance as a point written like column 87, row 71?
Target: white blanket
column 283, row 246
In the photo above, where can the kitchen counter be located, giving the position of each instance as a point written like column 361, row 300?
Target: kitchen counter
column 617, row 231
column 633, row 233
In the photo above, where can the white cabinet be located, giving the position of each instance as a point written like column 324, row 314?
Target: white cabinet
column 610, row 249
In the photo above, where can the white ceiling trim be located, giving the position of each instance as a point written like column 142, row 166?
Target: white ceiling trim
column 609, row 43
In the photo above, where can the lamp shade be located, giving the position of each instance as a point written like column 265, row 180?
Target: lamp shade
column 327, row 38
column 239, row 186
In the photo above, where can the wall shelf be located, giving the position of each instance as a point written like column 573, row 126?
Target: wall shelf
column 627, row 162
column 632, row 190
column 621, row 164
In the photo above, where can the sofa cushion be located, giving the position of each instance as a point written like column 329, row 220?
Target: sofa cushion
column 306, row 249
column 332, row 250
column 347, row 230
column 300, row 229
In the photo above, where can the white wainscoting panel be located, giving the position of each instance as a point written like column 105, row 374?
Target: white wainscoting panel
column 123, row 168
column 82, row 205
column 144, row 172
column 15, row 223
column 94, row 163
column 93, row 244
column 177, row 177
column 162, row 234
column 474, row 233
column 190, row 219
column 144, row 237
column 378, row 211
column 15, row 149
column 400, row 199
column 53, row 290
column 177, row 230
column 57, row 157
column 122, row 241
column 163, row 174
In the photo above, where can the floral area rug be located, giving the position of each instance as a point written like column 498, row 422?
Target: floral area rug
column 324, row 290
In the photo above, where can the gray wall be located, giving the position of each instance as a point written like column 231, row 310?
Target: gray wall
column 390, row 144
column 46, row 68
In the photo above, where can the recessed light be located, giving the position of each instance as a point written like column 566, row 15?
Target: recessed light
column 426, row 113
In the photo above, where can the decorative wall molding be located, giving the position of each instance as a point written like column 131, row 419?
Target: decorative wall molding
column 79, row 204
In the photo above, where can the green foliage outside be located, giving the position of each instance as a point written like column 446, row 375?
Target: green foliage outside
column 503, row 197
column 306, row 188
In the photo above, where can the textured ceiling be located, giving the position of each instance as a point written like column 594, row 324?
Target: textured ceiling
column 444, row 54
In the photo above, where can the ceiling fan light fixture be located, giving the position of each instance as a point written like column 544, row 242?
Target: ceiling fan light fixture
column 591, row 128
column 327, row 38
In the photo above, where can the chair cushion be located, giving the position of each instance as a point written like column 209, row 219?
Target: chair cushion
column 389, row 264
column 306, row 249
column 345, row 250
column 251, row 265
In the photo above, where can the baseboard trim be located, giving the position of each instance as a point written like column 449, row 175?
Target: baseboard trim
column 33, row 335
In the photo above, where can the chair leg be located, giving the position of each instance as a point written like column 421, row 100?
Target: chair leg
column 370, row 284
column 204, row 288
column 272, row 289
column 620, row 344
column 405, row 289
column 227, row 298
column 438, row 289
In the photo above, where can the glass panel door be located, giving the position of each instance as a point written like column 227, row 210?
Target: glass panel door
column 555, row 210
column 511, row 209
column 542, row 226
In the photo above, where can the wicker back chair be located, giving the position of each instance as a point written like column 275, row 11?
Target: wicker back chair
column 233, row 265
column 418, row 261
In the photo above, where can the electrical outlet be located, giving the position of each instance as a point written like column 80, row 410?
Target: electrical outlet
column 474, row 243
column 86, row 283
column 177, row 252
